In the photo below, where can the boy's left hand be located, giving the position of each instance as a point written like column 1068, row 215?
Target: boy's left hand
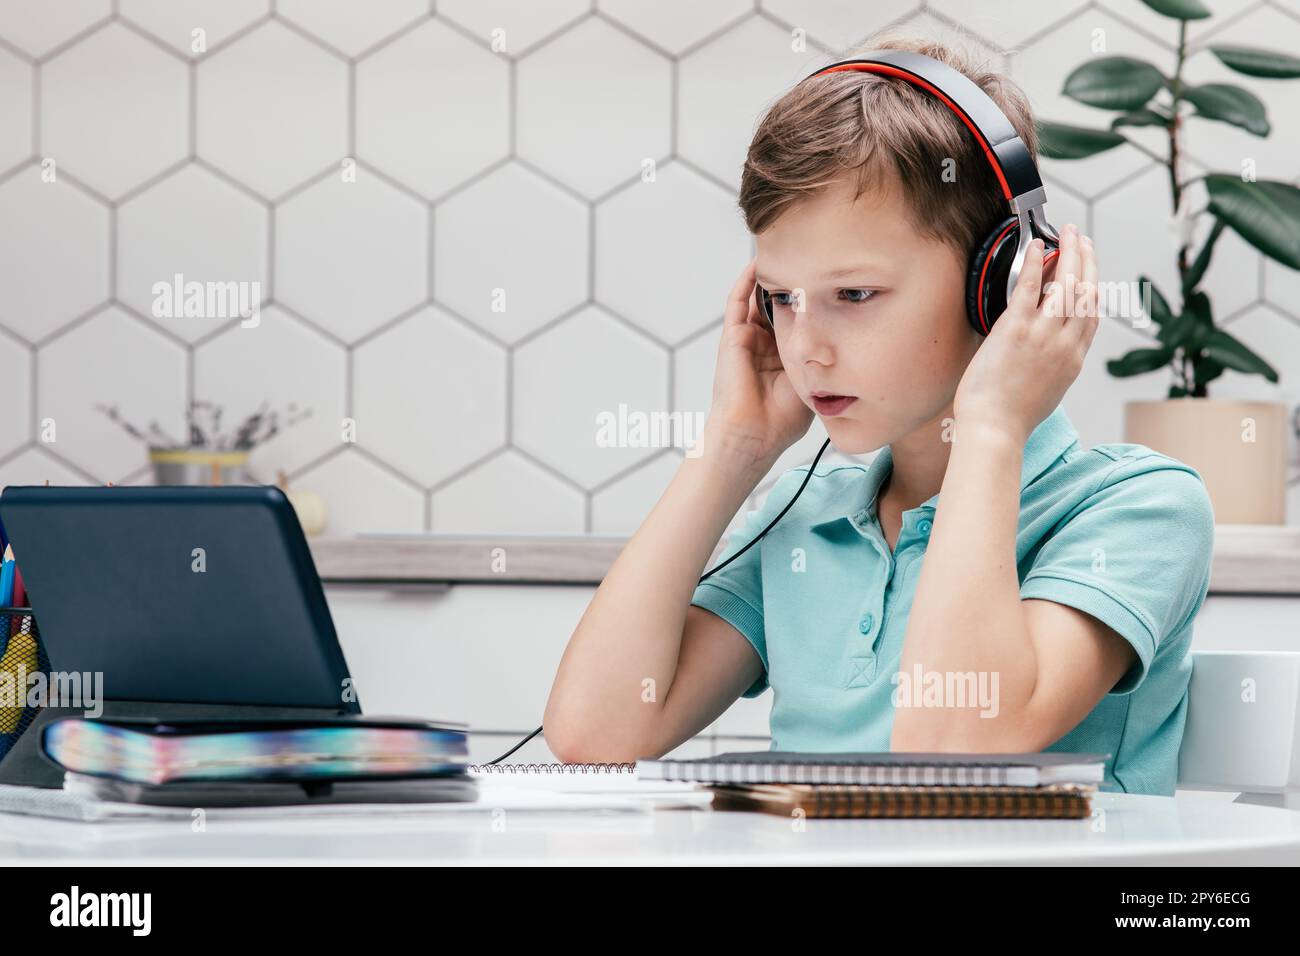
column 1036, row 349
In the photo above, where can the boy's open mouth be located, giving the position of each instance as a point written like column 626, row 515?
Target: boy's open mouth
column 829, row 404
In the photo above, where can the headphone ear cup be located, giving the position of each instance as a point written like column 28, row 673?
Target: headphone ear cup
column 986, row 280
column 763, row 301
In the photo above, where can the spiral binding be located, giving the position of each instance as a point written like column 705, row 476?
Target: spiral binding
column 551, row 768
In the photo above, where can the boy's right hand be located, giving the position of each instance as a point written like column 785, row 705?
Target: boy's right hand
column 755, row 407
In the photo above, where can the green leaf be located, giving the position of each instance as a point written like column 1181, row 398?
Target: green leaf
column 1229, row 104
column 1253, row 61
column 1179, row 332
column 1197, row 269
column 1160, row 311
column 1142, row 117
column 1265, row 213
column 1114, row 83
column 1189, row 330
column 1198, row 304
column 1062, row 141
column 1180, row 9
column 1222, row 347
column 1138, row 361
column 1204, row 371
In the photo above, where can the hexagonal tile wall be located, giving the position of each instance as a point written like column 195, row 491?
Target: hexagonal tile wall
column 413, row 126
column 54, row 252
column 511, row 252
column 157, row 241
column 15, row 110
column 193, row 28
column 113, row 109
column 477, row 226
column 272, row 108
column 351, row 254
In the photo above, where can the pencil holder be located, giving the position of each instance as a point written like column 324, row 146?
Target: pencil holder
column 21, row 654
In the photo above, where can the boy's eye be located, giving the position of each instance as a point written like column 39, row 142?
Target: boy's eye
column 857, row 295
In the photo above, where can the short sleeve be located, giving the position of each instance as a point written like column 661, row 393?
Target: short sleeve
column 1136, row 555
column 735, row 593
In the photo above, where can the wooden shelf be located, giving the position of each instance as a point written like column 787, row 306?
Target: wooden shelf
column 1248, row 559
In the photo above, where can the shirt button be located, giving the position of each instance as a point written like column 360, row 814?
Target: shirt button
column 924, row 526
column 864, row 625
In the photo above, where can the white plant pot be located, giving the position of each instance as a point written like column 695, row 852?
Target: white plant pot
column 1238, row 448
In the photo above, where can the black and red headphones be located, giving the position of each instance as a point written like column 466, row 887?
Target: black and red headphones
column 996, row 262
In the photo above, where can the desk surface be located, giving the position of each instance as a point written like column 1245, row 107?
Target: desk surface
column 1125, row 829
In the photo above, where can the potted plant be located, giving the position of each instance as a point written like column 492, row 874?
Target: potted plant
column 210, row 457
column 1239, row 448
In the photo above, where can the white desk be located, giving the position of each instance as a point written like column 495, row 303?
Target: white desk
column 1125, row 830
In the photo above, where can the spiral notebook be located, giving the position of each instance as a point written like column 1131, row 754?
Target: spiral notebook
column 883, row 769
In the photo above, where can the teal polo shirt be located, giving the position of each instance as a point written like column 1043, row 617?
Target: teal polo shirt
column 1118, row 531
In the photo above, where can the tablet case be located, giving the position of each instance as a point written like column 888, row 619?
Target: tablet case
column 191, row 601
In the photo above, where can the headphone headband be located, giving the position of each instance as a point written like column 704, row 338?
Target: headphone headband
column 1005, row 151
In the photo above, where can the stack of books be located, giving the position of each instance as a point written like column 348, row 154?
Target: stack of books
column 1035, row 785
column 258, row 762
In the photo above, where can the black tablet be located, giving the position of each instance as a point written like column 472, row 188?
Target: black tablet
column 179, row 594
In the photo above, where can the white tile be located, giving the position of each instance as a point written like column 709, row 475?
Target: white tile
column 361, row 497
column 1225, row 147
column 35, row 467
column 198, row 226
column 668, row 252
column 508, row 495
column 53, row 253
column 1041, row 70
column 512, row 25
column 1131, row 229
column 1282, row 287
column 674, row 24
column 351, row 255
column 175, row 21
column 411, row 126
column 510, row 252
column 37, row 28
column 272, row 109
column 593, row 136
column 349, row 26
column 278, row 361
column 725, row 86
column 838, row 23
column 113, row 110
column 1064, row 207
column 621, row 507
column 15, row 423
column 111, row 359
column 1008, row 22
column 430, row 396
column 15, row 110
column 569, row 375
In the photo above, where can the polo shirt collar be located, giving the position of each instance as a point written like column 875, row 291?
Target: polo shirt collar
column 1051, row 438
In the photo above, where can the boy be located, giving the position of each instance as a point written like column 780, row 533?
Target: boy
column 983, row 585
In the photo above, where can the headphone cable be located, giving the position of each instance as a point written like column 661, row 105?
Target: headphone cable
column 758, row 537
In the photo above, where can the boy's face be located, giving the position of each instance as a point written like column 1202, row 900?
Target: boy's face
column 884, row 313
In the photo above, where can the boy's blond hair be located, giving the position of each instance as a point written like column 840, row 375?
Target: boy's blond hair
column 852, row 123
